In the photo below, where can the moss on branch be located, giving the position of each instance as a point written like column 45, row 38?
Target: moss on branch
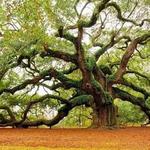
column 90, row 62
column 62, row 112
column 99, row 7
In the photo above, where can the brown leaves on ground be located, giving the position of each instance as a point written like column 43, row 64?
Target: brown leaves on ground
column 124, row 139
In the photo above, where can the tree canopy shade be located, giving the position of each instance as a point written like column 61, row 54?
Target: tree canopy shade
column 81, row 52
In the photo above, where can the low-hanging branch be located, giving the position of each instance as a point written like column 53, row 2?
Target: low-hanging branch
column 139, row 101
column 9, row 111
column 135, row 87
column 39, row 100
column 62, row 112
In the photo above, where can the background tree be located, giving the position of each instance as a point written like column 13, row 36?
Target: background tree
column 66, row 53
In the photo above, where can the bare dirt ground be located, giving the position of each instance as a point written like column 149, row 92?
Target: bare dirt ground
column 119, row 139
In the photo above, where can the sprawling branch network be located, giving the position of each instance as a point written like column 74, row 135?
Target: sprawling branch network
column 97, row 86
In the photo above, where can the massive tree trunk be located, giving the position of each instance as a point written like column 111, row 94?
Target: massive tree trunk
column 105, row 116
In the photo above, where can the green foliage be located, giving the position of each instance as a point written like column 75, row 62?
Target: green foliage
column 111, row 77
column 28, row 26
column 148, row 102
column 96, row 84
column 147, row 2
column 105, row 69
column 78, row 117
column 83, row 99
column 108, row 98
column 4, row 84
column 11, row 78
column 90, row 62
column 76, row 75
column 129, row 113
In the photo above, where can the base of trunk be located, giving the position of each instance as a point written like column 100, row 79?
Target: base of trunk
column 105, row 117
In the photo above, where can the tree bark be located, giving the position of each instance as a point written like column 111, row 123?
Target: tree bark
column 105, row 116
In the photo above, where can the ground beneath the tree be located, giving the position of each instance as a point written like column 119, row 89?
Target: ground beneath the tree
column 133, row 138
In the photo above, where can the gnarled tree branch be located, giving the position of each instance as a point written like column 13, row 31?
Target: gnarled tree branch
column 129, row 52
column 119, row 15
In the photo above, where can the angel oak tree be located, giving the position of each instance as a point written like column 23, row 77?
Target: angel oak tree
column 97, row 49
